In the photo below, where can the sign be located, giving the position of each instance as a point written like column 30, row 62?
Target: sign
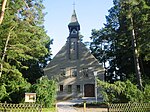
column 30, row 97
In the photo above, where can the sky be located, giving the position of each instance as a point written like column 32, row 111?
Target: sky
column 90, row 13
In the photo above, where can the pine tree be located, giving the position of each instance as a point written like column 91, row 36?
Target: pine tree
column 118, row 34
column 23, row 45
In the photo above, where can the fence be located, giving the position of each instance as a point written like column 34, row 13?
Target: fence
column 129, row 107
column 4, row 107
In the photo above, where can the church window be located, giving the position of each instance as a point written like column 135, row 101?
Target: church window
column 78, row 88
column 61, row 88
column 74, row 72
column 73, row 45
column 69, row 88
column 85, row 72
column 63, row 71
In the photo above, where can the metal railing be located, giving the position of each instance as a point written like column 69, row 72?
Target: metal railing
column 129, row 107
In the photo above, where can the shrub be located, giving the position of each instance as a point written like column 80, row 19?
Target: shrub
column 123, row 92
column 147, row 94
column 12, row 87
column 46, row 91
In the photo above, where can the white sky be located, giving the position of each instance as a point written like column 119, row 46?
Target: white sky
column 90, row 13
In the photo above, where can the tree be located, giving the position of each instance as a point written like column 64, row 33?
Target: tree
column 113, row 43
column 24, row 44
column 105, row 45
column 28, row 39
column 135, row 50
column 132, row 9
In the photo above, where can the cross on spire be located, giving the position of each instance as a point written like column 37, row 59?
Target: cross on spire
column 74, row 5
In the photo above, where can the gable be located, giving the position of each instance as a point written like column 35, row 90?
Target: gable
column 85, row 60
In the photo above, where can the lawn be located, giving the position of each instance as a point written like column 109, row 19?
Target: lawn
column 48, row 109
column 26, row 110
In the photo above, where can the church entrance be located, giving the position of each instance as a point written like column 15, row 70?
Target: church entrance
column 89, row 90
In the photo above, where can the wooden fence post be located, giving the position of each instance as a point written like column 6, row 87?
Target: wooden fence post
column 56, row 107
column 108, row 107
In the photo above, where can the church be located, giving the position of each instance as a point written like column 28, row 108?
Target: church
column 74, row 67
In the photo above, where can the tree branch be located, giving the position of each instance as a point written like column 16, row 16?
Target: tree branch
column 3, row 11
column 5, row 49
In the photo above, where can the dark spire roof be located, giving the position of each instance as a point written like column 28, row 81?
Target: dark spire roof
column 74, row 21
column 74, row 17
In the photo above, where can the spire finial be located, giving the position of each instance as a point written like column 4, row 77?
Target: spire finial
column 74, row 17
column 74, row 4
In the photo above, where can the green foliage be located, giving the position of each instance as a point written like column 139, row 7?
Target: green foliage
column 52, row 109
column 3, row 92
column 147, row 93
column 46, row 91
column 13, row 87
column 123, row 92
column 132, row 93
column 27, row 50
column 28, row 40
column 113, row 43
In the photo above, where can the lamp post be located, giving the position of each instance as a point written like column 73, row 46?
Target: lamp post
column 95, row 75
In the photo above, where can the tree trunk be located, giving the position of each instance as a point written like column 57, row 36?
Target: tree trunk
column 4, row 52
column 3, row 10
column 136, row 57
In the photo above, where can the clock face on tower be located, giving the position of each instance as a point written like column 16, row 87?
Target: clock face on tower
column 74, row 31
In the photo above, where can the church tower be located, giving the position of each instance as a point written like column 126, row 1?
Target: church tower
column 73, row 39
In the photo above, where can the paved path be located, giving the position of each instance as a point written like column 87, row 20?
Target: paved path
column 73, row 109
column 66, row 108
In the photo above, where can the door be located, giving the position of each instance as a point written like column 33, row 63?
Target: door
column 89, row 90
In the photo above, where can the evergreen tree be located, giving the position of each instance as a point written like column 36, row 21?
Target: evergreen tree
column 114, row 44
column 24, row 45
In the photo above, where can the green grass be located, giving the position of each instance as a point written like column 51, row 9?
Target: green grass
column 49, row 109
